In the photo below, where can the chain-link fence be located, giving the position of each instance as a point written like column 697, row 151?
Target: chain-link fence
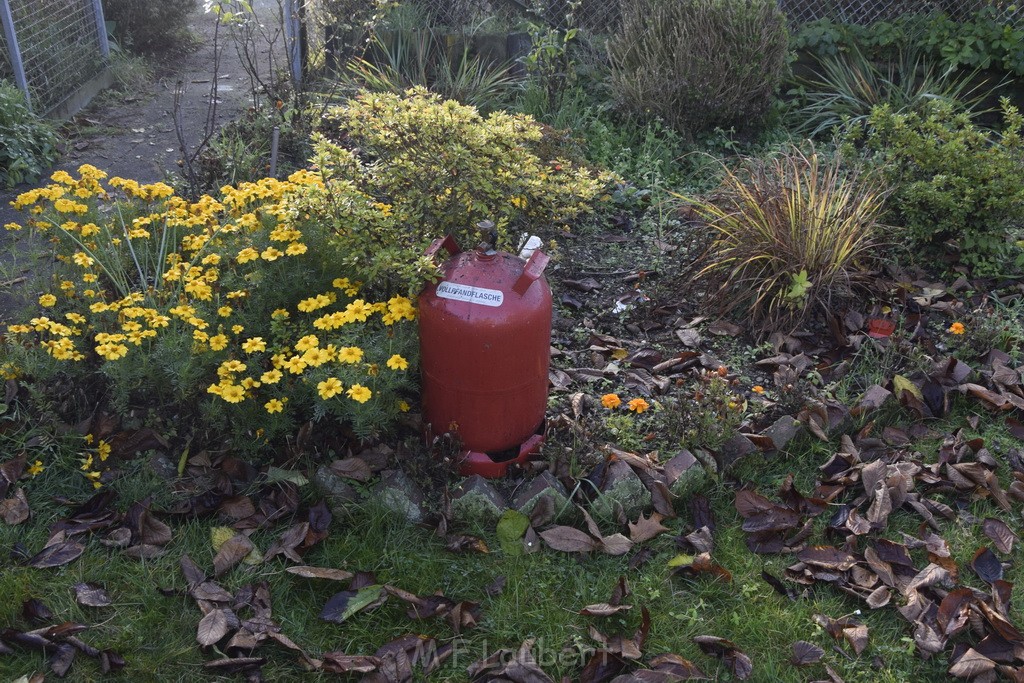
column 594, row 16
column 871, row 11
column 52, row 47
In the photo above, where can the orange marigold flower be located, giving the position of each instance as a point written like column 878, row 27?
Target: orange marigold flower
column 638, row 405
column 757, row 389
column 611, row 401
column 957, row 328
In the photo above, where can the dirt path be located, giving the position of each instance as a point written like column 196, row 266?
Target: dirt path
column 134, row 137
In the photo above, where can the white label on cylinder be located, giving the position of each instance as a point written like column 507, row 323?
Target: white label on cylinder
column 474, row 295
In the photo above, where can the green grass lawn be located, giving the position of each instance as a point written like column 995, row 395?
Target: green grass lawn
column 152, row 621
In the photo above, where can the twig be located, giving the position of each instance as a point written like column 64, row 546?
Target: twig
column 15, row 281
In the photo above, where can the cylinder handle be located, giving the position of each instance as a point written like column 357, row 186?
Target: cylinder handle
column 447, row 243
column 532, row 271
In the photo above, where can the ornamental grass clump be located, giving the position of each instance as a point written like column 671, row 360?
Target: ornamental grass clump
column 234, row 305
column 789, row 234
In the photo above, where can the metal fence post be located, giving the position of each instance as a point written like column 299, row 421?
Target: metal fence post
column 15, row 52
column 101, row 30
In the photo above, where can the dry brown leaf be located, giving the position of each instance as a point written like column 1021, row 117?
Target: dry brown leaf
column 1001, row 534
column 603, row 609
column 15, row 510
column 569, row 540
column 215, row 625
column 310, row 572
column 233, row 551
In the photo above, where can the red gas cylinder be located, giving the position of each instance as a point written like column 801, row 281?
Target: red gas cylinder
column 485, row 339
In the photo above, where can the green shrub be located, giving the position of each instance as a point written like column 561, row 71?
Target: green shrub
column 955, row 184
column 699, row 64
column 789, row 234
column 150, row 26
column 986, row 40
column 28, row 145
column 425, row 168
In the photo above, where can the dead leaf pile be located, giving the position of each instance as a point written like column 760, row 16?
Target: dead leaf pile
column 60, row 641
column 863, row 484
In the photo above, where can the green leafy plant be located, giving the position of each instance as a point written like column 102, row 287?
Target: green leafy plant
column 789, row 234
column 550, row 64
column 957, row 192
column 28, row 145
column 418, row 167
column 985, row 40
column 726, row 76
column 422, row 58
column 847, row 86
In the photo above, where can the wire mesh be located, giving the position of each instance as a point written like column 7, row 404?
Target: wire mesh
column 595, row 16
column 871, row 11
column 59, row 42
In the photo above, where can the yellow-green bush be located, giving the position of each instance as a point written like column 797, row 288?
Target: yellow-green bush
column 427, row 168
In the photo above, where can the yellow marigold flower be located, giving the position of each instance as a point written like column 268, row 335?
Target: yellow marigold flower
column 403, row 407
column 237, row 329
column 350, row 354
column 340, row 283
column 396, row 362
column 103, row 450
column 310, row 341
column 295, row 365
column 112, row 351
column 271, row 376
column 218, row 342
column 215, row 389
column 329, row 388
column 211, row 259
column 957, row 328
column 611, row 401
column 273, row 406
column 246, row 255
column 230, row 366
column 250, row 383
column 757, row 389
column 200, row 336
column 224, row 311
column 280, row 313
column 82, row 259
column 254, row 345
column 36, row 467
column 359, row 310
column 271, row 254
column 86, row 462
column 296, row 249
column 12, row 226
column 159, row 321
column 316, row 357
column 359, row 393
column 232, row 393
column 237, row 294
column 47, row 300
column 89, row 277
column 638, row 405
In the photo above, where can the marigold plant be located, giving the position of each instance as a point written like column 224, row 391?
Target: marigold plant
column 235, row 298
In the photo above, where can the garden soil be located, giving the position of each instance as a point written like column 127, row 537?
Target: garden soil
column 133, row 135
